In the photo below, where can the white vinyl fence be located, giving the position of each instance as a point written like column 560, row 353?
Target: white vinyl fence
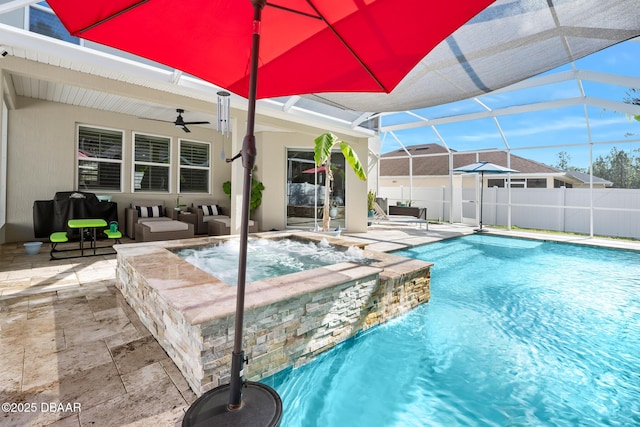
column 616, row 212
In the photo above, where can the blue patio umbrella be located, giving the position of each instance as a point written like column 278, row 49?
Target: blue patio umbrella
column 482, row 167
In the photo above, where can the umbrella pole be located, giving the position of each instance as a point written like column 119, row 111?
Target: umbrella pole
column 481, row 198
column 262, row 406
column 248, row 161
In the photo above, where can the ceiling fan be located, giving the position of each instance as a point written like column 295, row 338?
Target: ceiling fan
column 179, row 121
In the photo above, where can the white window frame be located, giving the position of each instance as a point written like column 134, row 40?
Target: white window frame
column 207, row 168
column 116, row 161
column 169, row 164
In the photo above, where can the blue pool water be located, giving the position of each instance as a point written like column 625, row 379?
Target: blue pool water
column 517, row 333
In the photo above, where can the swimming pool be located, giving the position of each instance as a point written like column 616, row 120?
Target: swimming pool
column 517, row 333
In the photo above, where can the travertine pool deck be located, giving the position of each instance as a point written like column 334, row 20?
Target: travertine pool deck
column 68, row 336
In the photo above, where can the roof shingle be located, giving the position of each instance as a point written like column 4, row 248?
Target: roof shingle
column 434, row 165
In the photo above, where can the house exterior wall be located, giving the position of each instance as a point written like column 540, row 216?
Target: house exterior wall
column 42, row 149
column 3, row 161
column 439, row 180
column 42, row 158
column 418, row 181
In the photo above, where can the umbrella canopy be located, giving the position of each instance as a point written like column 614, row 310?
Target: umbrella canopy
column 506, row 43
column 319, row 169
column 306, row 46
column 309, row 46
column 484, row 167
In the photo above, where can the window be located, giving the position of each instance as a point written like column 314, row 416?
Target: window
column 559, row 184
column 194, row 167
column 518, row 183
column 43, row 21
column 537, row 183
column 151, row 163
column 99, row 159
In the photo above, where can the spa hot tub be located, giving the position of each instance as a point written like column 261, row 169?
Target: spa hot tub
column 289, row 319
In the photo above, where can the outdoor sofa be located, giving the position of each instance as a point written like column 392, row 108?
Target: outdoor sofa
column 146, row 221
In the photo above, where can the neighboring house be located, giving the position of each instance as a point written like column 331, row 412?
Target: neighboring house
column 430, row 166
column 583, row 180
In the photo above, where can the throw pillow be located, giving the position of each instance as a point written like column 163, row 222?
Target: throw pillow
column 148, row 211
column 210, row 210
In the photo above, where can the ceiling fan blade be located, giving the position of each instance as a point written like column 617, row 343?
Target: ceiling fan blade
column 179, row 121
column 156, row 120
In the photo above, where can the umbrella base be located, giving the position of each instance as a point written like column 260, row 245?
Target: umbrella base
column 480, row 230
column 261, row 406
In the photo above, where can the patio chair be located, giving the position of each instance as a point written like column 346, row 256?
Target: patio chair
column 143, row 211
column 206, row 211
column 222, row 226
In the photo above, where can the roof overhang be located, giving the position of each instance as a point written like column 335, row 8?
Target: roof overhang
column 41, row 67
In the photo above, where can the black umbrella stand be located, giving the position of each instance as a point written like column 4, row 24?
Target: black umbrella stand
column 241, row 403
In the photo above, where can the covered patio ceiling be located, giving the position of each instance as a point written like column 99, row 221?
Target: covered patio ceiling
column 504, row 45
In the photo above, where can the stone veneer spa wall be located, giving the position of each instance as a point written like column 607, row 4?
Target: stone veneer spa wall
column 288, row 320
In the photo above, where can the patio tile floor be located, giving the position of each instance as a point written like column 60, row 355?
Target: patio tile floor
column 74, row 353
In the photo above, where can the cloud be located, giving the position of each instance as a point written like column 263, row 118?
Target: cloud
column 543, row 124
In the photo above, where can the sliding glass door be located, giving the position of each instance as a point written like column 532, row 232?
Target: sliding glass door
column 306, row 185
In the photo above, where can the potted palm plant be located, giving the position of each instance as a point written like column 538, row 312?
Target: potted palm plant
column 256, row 192
column 322, row 156
column 371, row 204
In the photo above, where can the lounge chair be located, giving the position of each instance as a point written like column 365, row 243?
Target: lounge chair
column 380, row 214
column 143, row 211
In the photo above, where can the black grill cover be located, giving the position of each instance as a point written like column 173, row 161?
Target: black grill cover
column 50, row 216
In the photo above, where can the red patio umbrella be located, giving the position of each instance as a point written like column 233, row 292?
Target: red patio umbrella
column 319, row 169
column 308, row 46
